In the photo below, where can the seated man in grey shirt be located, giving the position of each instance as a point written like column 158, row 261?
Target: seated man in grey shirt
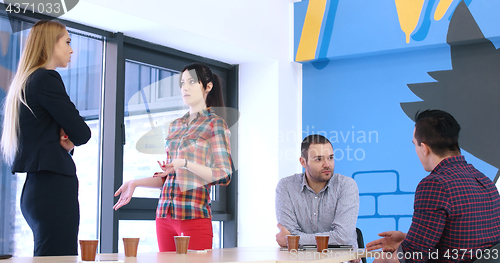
column 317, row 202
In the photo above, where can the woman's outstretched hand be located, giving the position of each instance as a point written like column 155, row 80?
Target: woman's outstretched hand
column 125, row 192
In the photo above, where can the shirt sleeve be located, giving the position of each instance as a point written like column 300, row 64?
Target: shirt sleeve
column 57, row 102
column 285, row 214
column 221, row 153
column 344, row 223
column 429, row 218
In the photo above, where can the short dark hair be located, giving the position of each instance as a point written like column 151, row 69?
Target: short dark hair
column 439, row 130
column 312, row 139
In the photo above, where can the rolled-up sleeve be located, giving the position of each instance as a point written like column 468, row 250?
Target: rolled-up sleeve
column 221, row 153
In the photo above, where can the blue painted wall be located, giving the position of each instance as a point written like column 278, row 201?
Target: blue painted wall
column 353, row 95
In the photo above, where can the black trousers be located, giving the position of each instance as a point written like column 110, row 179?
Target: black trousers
column 49, row 203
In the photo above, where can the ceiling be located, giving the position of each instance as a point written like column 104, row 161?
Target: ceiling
column 233, row 31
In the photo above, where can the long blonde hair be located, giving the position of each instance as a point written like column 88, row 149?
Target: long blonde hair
column 37, row 53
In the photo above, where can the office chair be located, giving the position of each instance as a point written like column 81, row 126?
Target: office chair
column 361, row 243
column 491, row 259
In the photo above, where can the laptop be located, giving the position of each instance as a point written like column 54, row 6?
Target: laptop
column 304, row 247
column 329, row 246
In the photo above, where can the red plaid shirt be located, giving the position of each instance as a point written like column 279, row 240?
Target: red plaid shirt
column 205, row 141
column 457, row 211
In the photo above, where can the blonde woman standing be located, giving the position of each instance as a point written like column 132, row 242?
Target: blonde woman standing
column 41, row 126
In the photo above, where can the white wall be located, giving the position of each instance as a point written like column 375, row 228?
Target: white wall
column 257, row 35
column 268, row 145
column 258, row 152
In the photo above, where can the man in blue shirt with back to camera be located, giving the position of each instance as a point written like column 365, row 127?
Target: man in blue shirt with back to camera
column 318, row 201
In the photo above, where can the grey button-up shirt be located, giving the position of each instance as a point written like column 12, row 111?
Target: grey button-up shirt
column 333, row 211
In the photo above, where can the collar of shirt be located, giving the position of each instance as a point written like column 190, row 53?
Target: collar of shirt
column 448, row 161
column 205, row 112
column 305, row 185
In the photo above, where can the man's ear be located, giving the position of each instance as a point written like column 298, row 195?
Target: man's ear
column 303, row 161
column 427, row 150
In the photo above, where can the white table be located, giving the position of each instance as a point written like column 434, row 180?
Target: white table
column 226, row 255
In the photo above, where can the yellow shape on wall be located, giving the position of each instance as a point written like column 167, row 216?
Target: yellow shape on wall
column 409, row 14
column 310, row 31
column 441, row 9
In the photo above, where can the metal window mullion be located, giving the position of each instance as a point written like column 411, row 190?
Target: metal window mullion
column 87, row 94
column 112, row 148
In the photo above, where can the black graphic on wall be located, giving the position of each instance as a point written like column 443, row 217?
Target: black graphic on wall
column 470, row 91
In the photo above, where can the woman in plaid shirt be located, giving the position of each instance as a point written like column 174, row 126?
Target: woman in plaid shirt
column 198, row 156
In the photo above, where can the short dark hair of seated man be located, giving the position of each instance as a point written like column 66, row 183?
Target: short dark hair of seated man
column 312, row 139
column 439, row 130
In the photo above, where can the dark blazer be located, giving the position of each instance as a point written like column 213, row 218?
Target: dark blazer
column 39, row 148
